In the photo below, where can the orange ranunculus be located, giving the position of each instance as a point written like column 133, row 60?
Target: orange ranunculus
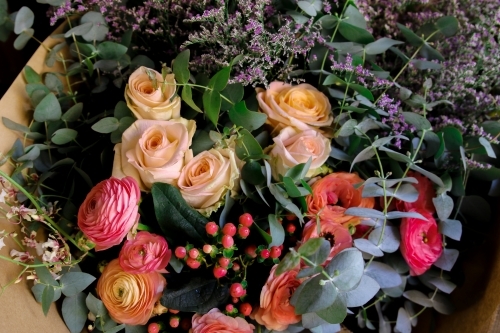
column 216, row 322
column 333, row 194
column 129, row 298
column 337, row 234
column 425, row 194
column 275, row 311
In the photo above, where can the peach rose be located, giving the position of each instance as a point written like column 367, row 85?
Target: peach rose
column 207, row 177
column 275, row 311
column 129, row 298
column 293, row 147
column 333, row 194
column 153, row 151
column 338, row 235
column 216, row 322
column 301, row 106
column 146, row 102
column 145, row 253
column 110, row 211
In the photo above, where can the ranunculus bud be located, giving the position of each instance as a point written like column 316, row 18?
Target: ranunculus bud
column 110, row 211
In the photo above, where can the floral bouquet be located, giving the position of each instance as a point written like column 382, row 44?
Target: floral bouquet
column 252, row 166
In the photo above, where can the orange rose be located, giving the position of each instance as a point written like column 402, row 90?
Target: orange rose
column 338, row 235
column 275, row 311
column 333, row 194
column 302, row 106
column 216, row 322
column 129, row 298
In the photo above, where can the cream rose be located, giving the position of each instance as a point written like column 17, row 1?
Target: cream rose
column 301, row 106
column 293, row 147
column 146, row 102
column 153, row 151
column 207, row 177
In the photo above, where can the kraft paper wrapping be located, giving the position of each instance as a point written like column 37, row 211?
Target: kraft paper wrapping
column 477, row 300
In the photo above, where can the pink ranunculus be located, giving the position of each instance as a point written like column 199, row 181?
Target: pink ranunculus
column 110, row 211
column 421, row 242
column 425, row 194
column 337, row 234
column 216, row 322
column 145, row 253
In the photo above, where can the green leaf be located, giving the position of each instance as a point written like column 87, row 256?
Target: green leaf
column 23, row 39
column 73, row 113
column 335, row 313
column 334, row 79
column 106, row 125
column 346, row 269
column 298, row 172
column 234, row 92
column 362, row 91
column 31, row 76
column 74, row 312
column 211, row 104
column 448, row 25
column 289, row 261
column 180, row 67
column 412, row 38
column 355, row 34
column 219, row 81
column 311, row 296
column 44, row 275
column 310, row 247
column 111, row 50
column 417, row 120
column 277, row 231
column 297, row 17
column 247, row 148
column 430, row 53
column 267, row 238
column 327, row 21
column 290, row 187
column 15, row 126
column 187, row 97
column 321, row 254
column 487, row 146
column 125, row 123
column 354, row 17
column 198, row 295
column 252, row 173
column 347, row 129
column 424, row 64
column 47, row 297
column 63, row 136
column 38, row 289
column 175, row 215
column 250, row 120
column 73, row 283
column 121, row 110
column 453, row 139
column 24, row 20
column 308, row 7
column 99, row 29
column 95, row 306
column 48, row 109
column 381, row 45
column 79, row 30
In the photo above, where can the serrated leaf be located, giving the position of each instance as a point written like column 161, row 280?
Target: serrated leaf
column 74, row 312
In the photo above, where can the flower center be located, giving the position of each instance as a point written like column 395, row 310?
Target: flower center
column 424, row 237
column 329, row 237
column 332, row 198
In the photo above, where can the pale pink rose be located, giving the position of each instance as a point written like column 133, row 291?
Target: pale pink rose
column 215, row 321
column 207, row 177
column 149, row 102
column 129, row 298
column 301, row 106
column 275, row 311
column 293, row 147
column 153, row 151
column 337, row 234
column 110, row 211
column 145, row 253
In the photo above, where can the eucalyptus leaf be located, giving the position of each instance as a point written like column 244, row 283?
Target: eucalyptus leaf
column 403, row 323
column 346, row 269
column 74, row 312
column 418, row 297
column 95, row 306
column 277, row 231
column 250, row 120
column 63, row 136
column 368, row 247
column 363, row 155
column 24, row 20
column 387, row 239
column 48, row 109
column 106, row 125
column 451, row 228
column 442, row 304
column 447, row 259
column 444, row 206
column 73, row 113
column 381, row 45
column 443, row 285
column 384, row 274
column 311, row 296
column 23, row 39
column 364, row 291
column 73, row 283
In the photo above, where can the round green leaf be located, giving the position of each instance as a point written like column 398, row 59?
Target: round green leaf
column 73, row 113
column 417, row 120
column 48, row 109
column 448, row 25
column 111, row 50
column 106, row 125
column 63, row 136
column 23, row 39
column 346, row 269
column 24, row 20
column 74, row 312
column 73, row 283
column 252, row 173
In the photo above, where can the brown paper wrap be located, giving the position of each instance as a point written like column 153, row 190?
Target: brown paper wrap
column 477, row 301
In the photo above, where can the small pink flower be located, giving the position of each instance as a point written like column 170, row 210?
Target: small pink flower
column 110, row 211
column 216, row 322
column 145, row 253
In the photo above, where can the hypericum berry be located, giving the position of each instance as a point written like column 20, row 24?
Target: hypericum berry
column 236, row 290
column 227, row 241
column 174, row 321
column 229, row 229
column 246, row 220
column 264, row 254
column 180, row 252
column 245, row 309
column 207, row 248
column 243, row 232
column 173, row 311
column 290, row 217
column 250, row 251
column 219, row 272
column 193, row 263
column 236, row 267
column 275, row 252
column 290, row 228
column 224, row 262
column 235, row 300
column 194, row 253
column 229, row 308
column 211, row 228
column 154, row 328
